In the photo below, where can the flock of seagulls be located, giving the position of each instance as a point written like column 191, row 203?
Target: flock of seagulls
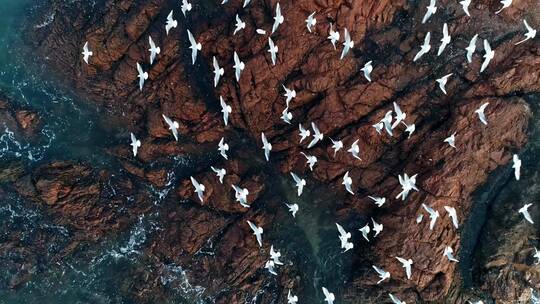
column 387, row 124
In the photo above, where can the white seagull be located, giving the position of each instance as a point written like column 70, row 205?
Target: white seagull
column 238, row 66
column 424, row 48
column 273, row 49
column 267, row 147
column 452, row 214
column 225, row 109
column 333, row 36
column 291, row 299
column 289, row 95
column 365, row 231
column 220, row 173
column 223, row 147
column 525, row 211
column 173, row 126
column 407, row 184
column 471, row 48
column 431, row 9
column 344, row 237
column 142, row 75
column 516, row 165
column 186, row 7
column 86, row 52
column 407, row 264
column 329, row 297
column 153, row 49
column 465, row 5
column 449, row 254
column 286, row 116
column 400, row 115
column 487, row 56
column 355, row 149
column 445, row 40
column 336, row 145
column 409, row 128
column 240, row 25
column 530, row 34
column 275, row 255
column 451, row 140
column 377, row 228
column 240, row 194
column 442, row 82
column 270, row 265
column 433, row 215
column 480, row 112
column 171, row 23
column 382, row 274
column 199, row 188
column 311, row 21
column 347, row 181
column 505, row 3
column 347, row 44
column 257, row 231
column 278, row 19
column 317, row 135
column 367, row 70
column 218, row 71
column 195, row 47
column 304, row 133
column 299, row 183
column 379, row 201
column 293, row 208
column 311, row 160
column 135, row 144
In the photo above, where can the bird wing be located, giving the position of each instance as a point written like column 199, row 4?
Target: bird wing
column 170, row 16
column 402, row 261
column 340, row 229
column 315, row 129
column 236, row 59
column 139, row 68
column 191, row 39
column 252, row 226
column 263, row 139
column 295, row 177
column 529, row 28
column 394, row 299
column 194, row 183
column 216, row 65
column 325, row 292
column 429, row 210
column 223, row 104
column 168, row 120
column 378, row 270
column 427, row 39
column 445, row 30
column 151, row 42
column 487, row 47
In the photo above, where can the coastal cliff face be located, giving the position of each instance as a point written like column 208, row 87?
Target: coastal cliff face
column 330, row 92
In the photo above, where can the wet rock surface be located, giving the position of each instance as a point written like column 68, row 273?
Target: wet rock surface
column 332, row 93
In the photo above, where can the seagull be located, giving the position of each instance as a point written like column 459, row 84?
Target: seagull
column 270, row 266
column 347, row 44
column 333, row 36
column 286, row 116
column 171, row 23
column 260, row 32
column 291, row 299
column 347, row 181
column 223, row 147
column 355, row 149
column 344, row 237
column 311, row 21
column 407, row 265
column 311, row 160
column 238, row 66
column 453, row 215
column 377, row 228
column 399, row 115
column 409, row 128
column 300, row 183
column 142, row 76
column 465, row 4
column 241, row 195
column 505, row 3
column 225, row 109
column 433, row 215
column 445, row 39
column 379, row 201
column 135, row 144
column 257, row 231
column 86, row 52
column 419, row 218
column 293, row 208
column 516, row 165
column 329, row 297
column 382, row 274
column 278, row 19
column 536, row 256
column 267, row 147
column 395, row 300
column 407, row 184
column 304, row 133
column 424, row 49
column 487, row 56
column 153, row 49
column 275, row 255
column 531, row 33
column 272, row 50
column 317, row 135
column 431, row 9
column 195, row 47
column 387, row 122
column 442, row 82
column 220, row 173
column 240, row 25
column 336, row 145
column 524, row 210
column 451, row 140
column 449, row 253
column 365, row 231
column 471, row 48
column 480, row 112
column 218, row 72
column 173, row 126
column 186, row 7
column 199, row 188
column 367, row 70
column 289, row 94
column 378, row 127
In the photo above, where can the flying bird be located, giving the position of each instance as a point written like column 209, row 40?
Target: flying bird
column 238, row 66
column 367, row 70
column 286, row 116
column 299, row 183
column 329, row 297
column 347, row 181
column 442, row 82
column 452, row 214
column 304, row 133
column 530, row 34
column 377, row 228
column 311, row 160
column 257, row 231
column 480, row 112
column 409, row 128
column 431, row 9
column 355, row 149
column 333, row 36
column 407, row 264
column 173, row 126
column 407, row 184
column 465, row 5
column 379, row 201
column 278, row 19
column 387, row 122
column 400, row 115
column 199, row 188
column 153, row 49
column 135, row 144
column 311, row 21
column 379, row 127
column 289, row 95
column 506, row 4
column 225, row 109
column 382, row 274
column 424, row 48
column 489, row 54
column 240, row 25
column 267, row 147
column 220, row 173
column 449, row 254
column 86, row 52
column 273, row 49
column 293, row 208
column 171, row 23
column 336, row 145
column 195, row 47
column 347, row 44
column 240, row 194
column 142, row 75
column 317, row 135
column 270, row 265
column 291, row 299
column 445, row 40
column 218, row 71
column 433, row 215
column 451, row 140
column 275, row 255
column 186, row 7
column 344, row 237
column 516, row 165
column 471, row 48
column 525, row 211
column 365, row 231
column 223, row 147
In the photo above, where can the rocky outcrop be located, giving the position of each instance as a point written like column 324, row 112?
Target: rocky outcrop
column 332, row 93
